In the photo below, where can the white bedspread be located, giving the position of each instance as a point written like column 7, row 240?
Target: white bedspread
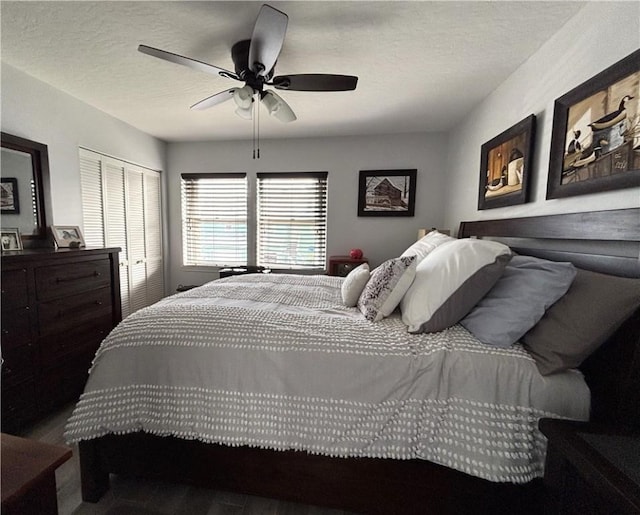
column 275, row 361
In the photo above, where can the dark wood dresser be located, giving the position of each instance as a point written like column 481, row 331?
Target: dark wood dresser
column 57, row 306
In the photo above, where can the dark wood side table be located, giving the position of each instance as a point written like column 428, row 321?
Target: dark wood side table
column 28, row 475
column 342, row 265
column 591, row 469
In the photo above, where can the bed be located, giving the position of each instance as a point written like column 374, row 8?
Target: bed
column 407, row 422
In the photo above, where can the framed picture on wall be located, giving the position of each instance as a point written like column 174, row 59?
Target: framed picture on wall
column 595, row 142
column 387, row 192
column 9, row 199
column 67, row 236
column 505, row 166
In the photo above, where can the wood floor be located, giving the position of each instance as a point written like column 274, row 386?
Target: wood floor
column 142, row 497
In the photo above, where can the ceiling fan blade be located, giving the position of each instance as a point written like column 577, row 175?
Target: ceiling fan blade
column 267, row 39
column 186, row 61
column 315, row 82
column 213, row 100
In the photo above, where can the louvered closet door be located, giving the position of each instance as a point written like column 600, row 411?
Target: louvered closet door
column 115, row 223
column 92, row 213
column 122, row 208
column 136, row 236
column 153, row 236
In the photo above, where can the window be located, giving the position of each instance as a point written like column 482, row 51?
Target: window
column 292, row 220
column 214, row 219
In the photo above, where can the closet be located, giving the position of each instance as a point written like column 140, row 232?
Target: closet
column 121, row 205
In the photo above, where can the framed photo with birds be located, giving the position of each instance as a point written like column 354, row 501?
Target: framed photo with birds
column 595, row 141
column 505, row 166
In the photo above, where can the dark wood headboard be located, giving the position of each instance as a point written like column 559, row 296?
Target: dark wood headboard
column 602, row 241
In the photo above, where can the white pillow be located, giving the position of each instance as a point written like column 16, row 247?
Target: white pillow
column 425, row 245
column 387, row 285
column 450, row 281
column 354, row 283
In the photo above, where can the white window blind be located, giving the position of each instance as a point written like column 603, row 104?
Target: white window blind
column 292, row 220
column 214, row 219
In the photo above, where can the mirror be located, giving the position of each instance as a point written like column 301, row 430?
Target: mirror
column 24, row 169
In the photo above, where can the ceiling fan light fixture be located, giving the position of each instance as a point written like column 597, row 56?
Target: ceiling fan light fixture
column 277, row 107
column 247, row 114
column 243, row 97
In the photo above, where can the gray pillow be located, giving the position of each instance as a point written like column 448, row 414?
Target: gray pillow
column 527, row 288
column 575, row 326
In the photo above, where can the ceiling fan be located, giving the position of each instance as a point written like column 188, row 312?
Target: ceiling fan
column 254, row 60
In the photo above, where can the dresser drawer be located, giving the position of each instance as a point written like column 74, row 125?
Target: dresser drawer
column 65, row 383
column 61, row 280
column 68, row 313
column 81, row 340
column 19, row 364
column 14, row 289
column 16, row 329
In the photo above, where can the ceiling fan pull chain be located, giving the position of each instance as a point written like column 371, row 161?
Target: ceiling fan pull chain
column 253, row 124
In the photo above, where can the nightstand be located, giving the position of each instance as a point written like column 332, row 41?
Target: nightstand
column 591, row 469
column 342, row 265
column 29, row 475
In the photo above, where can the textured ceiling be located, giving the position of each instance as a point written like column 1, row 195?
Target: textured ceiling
column 422, row 66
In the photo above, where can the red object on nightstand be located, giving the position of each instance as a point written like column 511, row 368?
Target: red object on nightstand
column 356, row 254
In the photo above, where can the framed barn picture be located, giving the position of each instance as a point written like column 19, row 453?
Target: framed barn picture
column 387, row 192
column 505, row 166
column 595, row 142
column 9, row 198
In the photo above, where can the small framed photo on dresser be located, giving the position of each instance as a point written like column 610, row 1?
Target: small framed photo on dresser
column 67, row 236
column 11, row 240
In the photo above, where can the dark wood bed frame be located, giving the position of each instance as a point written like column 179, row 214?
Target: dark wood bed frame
column 410, row 486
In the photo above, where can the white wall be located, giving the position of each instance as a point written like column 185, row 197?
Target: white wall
column 34, row 110
column 379, row 238
column 448, row 165
column 598, row 36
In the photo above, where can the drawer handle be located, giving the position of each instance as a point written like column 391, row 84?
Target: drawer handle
column 5, row 331
column 67, row 279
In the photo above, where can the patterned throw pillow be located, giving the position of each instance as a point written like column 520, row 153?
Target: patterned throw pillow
column 354, row 283
column 386, row 287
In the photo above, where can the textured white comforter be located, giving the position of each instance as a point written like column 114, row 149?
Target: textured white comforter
column 275, row 361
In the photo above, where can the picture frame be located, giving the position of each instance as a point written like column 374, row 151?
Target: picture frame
column 67, row 236
column 506, row 166
column 10, row 239
column 387, row 192
column 595, row 140
column 9, row 197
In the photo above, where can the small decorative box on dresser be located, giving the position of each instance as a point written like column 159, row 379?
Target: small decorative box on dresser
column 342, row 265
column 57, row 306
